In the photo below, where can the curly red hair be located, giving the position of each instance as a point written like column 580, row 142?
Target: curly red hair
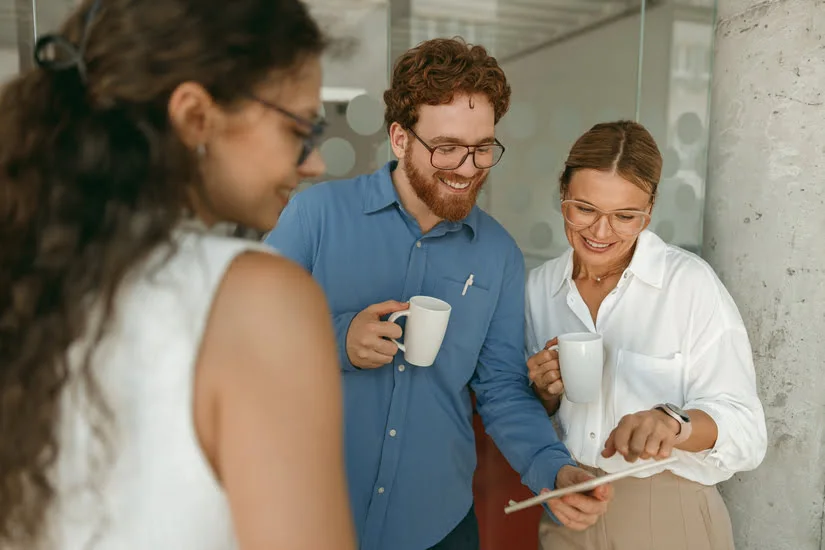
column 435, row 71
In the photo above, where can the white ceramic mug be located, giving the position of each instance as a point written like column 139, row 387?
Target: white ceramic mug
column 581, row 360
column 427, row 319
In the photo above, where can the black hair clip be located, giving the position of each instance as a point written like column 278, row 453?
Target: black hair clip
column 53, row 52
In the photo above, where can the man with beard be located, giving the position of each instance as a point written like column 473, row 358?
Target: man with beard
column 412, row 228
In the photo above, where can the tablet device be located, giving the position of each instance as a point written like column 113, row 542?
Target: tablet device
column 585, row 486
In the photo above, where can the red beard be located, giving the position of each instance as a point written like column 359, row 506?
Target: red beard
column 446, row 206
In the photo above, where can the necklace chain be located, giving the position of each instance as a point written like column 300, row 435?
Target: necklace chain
column 607, row 274
column 603, row 276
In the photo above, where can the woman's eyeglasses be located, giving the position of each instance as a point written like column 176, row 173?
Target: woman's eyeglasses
column 581, row 215
column 314, row 128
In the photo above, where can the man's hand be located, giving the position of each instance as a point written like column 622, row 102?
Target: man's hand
column 645, row 434
column 544, row 372
column 367, row 344
column 579, row 510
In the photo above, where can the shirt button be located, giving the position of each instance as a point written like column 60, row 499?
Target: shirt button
column 592, row 435
column 392, row 433
column 401, row 368
column 418, row 244
column 380, row 490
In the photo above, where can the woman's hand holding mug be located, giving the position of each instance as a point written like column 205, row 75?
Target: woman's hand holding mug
column 545, row 372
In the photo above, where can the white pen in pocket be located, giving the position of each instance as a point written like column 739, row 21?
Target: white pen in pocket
column 467, row 284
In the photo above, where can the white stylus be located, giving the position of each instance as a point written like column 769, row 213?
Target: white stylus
column 468, row 283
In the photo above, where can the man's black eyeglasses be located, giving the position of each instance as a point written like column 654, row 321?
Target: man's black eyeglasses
column 451, row 156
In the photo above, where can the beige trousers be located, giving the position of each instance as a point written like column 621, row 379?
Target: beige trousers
column 662, row 512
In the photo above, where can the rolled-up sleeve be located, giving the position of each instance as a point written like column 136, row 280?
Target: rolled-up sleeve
column 512, row 414
column 728, row 395
column 720, row 380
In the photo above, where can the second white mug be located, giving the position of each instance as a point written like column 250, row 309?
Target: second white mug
column 581, row 360
column 427, row 319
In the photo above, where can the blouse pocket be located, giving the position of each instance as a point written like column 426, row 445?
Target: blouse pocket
column 643, row 382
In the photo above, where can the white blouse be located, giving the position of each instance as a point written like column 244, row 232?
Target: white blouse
column 672, row 333
column 156, row 490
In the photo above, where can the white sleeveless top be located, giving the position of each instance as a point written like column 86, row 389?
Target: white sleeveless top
column 157, row 491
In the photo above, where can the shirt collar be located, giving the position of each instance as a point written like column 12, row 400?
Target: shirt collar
column 648, row 263
column 563, row 272
column 379, row 193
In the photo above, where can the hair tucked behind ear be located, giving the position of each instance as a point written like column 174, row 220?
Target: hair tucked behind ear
column 92, row 179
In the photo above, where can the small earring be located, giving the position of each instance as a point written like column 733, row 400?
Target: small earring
column 200, row 150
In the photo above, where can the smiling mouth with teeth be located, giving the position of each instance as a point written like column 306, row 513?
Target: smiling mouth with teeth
column 595, row 244
column 455, row 185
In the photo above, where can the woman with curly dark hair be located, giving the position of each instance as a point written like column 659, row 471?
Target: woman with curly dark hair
column 163, row 386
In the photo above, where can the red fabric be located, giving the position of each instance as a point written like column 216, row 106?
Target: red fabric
column 495, row 483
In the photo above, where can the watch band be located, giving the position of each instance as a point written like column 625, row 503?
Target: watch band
column 685, row 427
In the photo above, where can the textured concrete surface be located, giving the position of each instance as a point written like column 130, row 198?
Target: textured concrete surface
column 765, row 235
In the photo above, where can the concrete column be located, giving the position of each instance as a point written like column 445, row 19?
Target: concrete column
column 765, row 236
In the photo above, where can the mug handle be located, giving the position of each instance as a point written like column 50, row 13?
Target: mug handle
column 393, row 318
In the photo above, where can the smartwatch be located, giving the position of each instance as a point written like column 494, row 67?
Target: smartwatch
column 679, row 416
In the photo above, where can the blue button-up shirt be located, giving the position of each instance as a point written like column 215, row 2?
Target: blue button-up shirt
column 410, row 449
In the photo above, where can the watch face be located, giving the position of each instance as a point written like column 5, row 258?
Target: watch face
column 678, row 411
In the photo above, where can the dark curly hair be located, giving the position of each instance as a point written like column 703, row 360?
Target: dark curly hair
column 92, row 178
column 624, row 147
column 435, row 71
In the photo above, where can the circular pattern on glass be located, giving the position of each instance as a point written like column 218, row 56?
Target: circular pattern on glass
column 685, row 197
column 666, row 230
column 365, row 115
column 541, row 235
column 383, row 153
column 689, row 128
column 671, row 163
column 339, row 155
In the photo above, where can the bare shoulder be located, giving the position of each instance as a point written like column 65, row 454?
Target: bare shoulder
column 269, row 351
column 268, row 311
column 264, row 284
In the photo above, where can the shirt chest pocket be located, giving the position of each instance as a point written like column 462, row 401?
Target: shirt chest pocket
column 469, row 318
column 643, row 381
